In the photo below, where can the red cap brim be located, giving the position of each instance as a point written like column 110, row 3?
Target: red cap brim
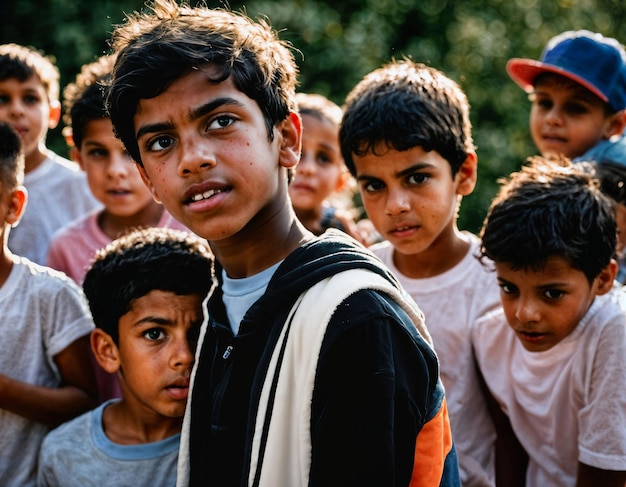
column 525, row 71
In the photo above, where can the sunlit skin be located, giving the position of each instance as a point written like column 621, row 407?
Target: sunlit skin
column 412, row 200
column 25, row 106
column 207, row 157
column 154, row 357
column 12, row 205
column 320, row 172
column 567, row 119
column 544, row 306
column 115, row 181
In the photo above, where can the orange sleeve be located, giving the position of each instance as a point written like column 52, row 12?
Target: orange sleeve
column 432, row 446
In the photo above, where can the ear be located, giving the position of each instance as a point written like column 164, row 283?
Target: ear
column 290, row 130
column 467, row 174
column 76, row 156
column 105, row 351
column 17, row 205
column 55, row 114
column 604, row 280
column 615, row 125
column 342, row 181
column 146, row 180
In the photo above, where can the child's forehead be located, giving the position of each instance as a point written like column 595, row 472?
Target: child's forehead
column 553, row 268
column 551, row 82
column 32, row 83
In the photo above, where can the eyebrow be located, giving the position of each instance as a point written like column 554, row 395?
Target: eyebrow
column 158, row 320
column 405, row 172
column 194, row 114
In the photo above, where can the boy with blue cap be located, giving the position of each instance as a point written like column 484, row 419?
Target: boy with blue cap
column 578, row 92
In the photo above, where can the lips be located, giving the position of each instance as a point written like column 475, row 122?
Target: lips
column 302, row 187
column 553, row 138
column 206, row 195
column 531, row 336
column 205, row 191
column 179, row 389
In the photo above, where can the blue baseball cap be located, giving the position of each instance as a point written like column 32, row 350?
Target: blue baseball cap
column 596, row 62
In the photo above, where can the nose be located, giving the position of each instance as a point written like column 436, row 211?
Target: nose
column 527, row 311
column 397, row 203
column 16, row 107
column 306, row 164
column 196, row 156
column 119, row 165
column 554, row 116
column 182, row 355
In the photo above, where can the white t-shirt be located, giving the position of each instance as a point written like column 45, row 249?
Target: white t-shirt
column 451, row 302
column 566, row 404
column 43, row 312
column 79, row 453
column 58, row 193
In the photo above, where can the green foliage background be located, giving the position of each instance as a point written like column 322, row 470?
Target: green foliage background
column 338, row 42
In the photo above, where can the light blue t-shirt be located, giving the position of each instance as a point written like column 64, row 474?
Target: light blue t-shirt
column 240, row 294
column 78, row 453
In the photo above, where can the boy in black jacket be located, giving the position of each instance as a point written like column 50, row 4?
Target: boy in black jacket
column 311, row 369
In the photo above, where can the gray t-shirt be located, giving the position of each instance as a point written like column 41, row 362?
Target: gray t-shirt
column 43, row 312
column 78, row 453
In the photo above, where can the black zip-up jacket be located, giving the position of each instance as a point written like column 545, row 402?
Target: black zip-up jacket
column 376, row 384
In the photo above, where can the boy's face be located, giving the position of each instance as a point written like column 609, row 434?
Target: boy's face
column 543, row 307
column 112, row 174
column 25, row 106
column 157, row 339
column 411, row 197
column 567, row 119
column 320, row 171
column 207, row 156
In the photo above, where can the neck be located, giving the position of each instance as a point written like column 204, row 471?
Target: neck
column 33, row 160
column 123, row 426
column 247, row 257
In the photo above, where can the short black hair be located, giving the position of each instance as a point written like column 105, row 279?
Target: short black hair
column 402, row 105
column 11, row 158
column 551, row 208
column 140, row 262
column 21, row 62
column 84, row 99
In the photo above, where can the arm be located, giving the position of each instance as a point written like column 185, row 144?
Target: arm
column 511, row 458
column 594, row 477
column 373, row 394
column 53, row 406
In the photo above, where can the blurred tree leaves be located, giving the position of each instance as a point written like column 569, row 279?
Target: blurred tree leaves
column 338, row 42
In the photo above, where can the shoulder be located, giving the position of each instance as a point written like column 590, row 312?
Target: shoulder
column 69, row 436
column 491, row 335
column 605, row 327
column 63, row 165
column 372, row 320
column 46, row 279
column 382, row 248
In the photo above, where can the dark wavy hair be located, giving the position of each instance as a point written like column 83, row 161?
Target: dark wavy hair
column 11, row 158
column 84, row 99
column 142, row 261
column 551, row 208
column 156, row 48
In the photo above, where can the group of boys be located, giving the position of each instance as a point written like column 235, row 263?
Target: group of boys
column 316, row 364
